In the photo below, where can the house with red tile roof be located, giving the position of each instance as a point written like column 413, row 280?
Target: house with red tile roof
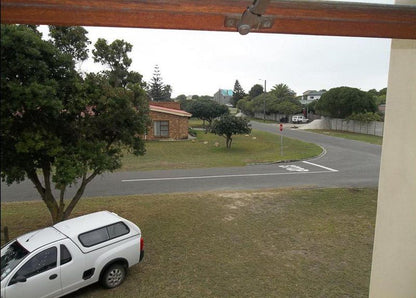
column 168, row 121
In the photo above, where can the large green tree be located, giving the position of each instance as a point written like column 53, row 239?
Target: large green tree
column 157, row 90
column 58, row 129
column 342, row 102
column 207, row 110
column 115, row 57
column 228, row 125
column 283, row 92
column 256, row 90
column 238, row 93
column 71, row 40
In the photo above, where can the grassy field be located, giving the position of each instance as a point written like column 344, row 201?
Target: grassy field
column 209, row 150
column 350, row 135
column 195, row 123
column 269, row 243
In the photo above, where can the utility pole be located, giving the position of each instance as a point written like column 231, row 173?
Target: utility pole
column 264, row 101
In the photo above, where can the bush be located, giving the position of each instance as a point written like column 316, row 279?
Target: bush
column 343, row 102
column 365, row 117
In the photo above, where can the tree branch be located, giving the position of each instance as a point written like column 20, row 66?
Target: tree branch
column 80, row 191
column 35, row 180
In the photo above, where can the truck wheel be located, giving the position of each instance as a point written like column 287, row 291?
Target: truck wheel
column 113, row 276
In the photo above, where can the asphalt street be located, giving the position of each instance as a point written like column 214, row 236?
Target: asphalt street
column 344, row 163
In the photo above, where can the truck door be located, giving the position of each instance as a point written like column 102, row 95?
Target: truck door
column 73, row 267
column 39, row 276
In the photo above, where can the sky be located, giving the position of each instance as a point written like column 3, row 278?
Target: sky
column 201, row 62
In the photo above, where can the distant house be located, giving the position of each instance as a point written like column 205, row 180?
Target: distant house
column 310, row 96
column 223, row 96
column 168, row 121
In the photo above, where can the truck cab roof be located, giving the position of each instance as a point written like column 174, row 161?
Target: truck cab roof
column 33, row 240
column 75, row 226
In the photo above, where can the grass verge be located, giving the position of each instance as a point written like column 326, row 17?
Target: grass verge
column 274, row 243
column 350, row 135
column 209, row 150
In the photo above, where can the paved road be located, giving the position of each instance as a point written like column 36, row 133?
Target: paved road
column 345, row 163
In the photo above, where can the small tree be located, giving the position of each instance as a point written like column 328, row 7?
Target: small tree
column 228, row 125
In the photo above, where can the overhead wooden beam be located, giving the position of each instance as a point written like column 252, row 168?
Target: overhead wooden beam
column 287, row 16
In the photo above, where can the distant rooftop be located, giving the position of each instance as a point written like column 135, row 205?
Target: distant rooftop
column 314, row 92
column 226, row 92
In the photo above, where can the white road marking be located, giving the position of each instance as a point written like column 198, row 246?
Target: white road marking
column 299, row 170
column 314, row 164
column 294, row 168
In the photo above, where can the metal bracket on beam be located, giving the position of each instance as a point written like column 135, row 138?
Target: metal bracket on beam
column 234, row 22
column 251, row 19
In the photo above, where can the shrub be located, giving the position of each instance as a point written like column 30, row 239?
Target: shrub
column 365, row 117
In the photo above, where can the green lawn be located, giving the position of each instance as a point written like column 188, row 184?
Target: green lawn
column 350, row 135
column 195, row 123
column 209, row 150
column 266, row 243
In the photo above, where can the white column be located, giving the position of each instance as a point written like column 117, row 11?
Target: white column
column 393, row 272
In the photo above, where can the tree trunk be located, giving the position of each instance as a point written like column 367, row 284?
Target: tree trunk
column 228, row 142
column 207, row 126
column 45, row 192
column 57, row 212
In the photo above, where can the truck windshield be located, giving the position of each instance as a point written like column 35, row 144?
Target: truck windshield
column 11, row 255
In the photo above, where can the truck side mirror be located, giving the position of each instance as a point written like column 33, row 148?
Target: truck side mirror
column 18, row 278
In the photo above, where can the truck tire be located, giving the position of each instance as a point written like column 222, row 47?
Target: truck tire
column 113, row 276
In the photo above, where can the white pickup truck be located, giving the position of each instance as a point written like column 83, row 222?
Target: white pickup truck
column 72, row 254
column 299, row 119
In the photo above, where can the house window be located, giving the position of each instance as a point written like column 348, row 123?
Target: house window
column 161, row 128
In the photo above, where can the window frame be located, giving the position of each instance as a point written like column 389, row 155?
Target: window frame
column 161, row 128
column 66, row 260
column 108, row 234
column 37, row 271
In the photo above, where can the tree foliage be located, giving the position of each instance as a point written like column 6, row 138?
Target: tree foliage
column 180, row 97
column 379, row 96
column 71, row 40
column 283, row 92
column 157, row 90
column 256, row 90
column 342, row 102
column 365, row 117
column 238, row 93
column 228, row 125
column 206, row 110
column 280, row 100
column 115, row 56
column 59, row 129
